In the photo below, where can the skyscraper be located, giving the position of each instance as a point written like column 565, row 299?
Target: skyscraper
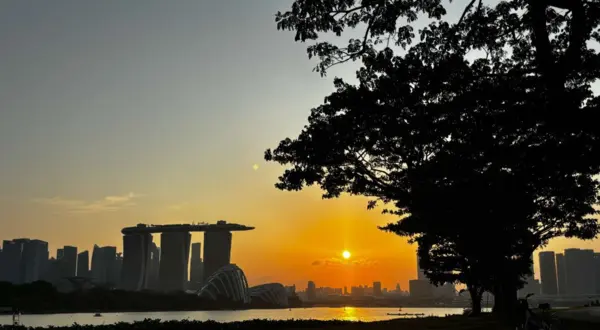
column 104, row 265
column 420, row 271
column 561, row 274
column 175, row 253
column 115, row 273
column 580, row 272
column 52, row 273
column 136, row 260
column 60, row 253
column 597, row 264
column 153, row 268
column 548, row 273
column 2, row 265
column 97, row 266
column 377, row 289
column 217, row 251
column 69, row 261
column 34, row 260
column 531, row 284
column 83, row 262
column 196, row 267
column 311, row 291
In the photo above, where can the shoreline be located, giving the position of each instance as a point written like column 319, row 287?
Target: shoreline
column 61, row 312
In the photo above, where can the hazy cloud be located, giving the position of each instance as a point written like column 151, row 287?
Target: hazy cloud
column 179, row 207
column 106, row 204
column 337, row 262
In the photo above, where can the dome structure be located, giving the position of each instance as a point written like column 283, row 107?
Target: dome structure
column 228, row 282
column 271, row 293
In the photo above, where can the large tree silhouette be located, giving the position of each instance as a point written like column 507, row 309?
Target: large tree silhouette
column 483, row 159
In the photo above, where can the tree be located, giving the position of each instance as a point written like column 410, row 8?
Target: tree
column 503, row 143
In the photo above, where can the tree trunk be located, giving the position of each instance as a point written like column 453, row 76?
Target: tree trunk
column 476, row 295
column 505, row 301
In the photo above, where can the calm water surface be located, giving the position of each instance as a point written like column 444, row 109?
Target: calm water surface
column 319, row 313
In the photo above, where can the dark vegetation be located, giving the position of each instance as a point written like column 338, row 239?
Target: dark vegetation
column 42, row 297
column 480, row 134
column 447, row 323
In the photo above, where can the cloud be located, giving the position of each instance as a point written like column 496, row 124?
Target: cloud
column 179, row 207
column 337, row 262
column 106, row 204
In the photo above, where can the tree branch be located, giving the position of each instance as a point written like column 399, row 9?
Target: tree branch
column 346, row 12
column 467, row 9
column 543, row 50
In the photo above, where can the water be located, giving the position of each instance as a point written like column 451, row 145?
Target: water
column 320, row 313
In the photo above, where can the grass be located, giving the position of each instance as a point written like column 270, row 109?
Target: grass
column 486, row 322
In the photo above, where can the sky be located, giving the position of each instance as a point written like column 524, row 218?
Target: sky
column 114, row 113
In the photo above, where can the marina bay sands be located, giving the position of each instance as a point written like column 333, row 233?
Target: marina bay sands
column 141, row 256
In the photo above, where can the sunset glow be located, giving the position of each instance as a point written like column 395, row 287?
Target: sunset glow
column 164, row 119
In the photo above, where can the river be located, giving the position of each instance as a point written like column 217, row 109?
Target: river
column 318, row 313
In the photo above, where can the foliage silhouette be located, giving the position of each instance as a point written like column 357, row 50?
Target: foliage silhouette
column 42, row 297
column 484, row 157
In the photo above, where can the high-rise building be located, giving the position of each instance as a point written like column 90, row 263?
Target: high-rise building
column 60, row 253
column 377, row 289
column 532, row 285
column 69, row 261
column 597, row 263
column 580, row 273
column 23, row 260
column 153, row 268
column 97, row 265
column 217, row 251
column 561, row 274
column 420, row 271
column 311, row 291
column 175, row 252
column 548, row 273
column 136, row 261
column 2, row 266
column 196, row 267
column 420, row 288
column 83, row 262
column 52, row 273
column 357, row 291
column 115, row 274
column 104, row 265
column 34, row 260
column 21, row 268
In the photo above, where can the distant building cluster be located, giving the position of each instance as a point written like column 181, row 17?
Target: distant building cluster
column 575, row 272
column 28, row 260
column 375, row 291
column 141, row 266
column 421, row 288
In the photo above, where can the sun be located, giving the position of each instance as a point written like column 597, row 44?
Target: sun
column 346, row 254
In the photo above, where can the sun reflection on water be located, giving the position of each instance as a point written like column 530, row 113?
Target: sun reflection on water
column 350, row 314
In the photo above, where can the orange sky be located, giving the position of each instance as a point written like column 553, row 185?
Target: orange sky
column 115, row 113
column 298, row 236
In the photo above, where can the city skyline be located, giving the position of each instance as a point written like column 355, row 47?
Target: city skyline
column 553, row 276
column 104, row 125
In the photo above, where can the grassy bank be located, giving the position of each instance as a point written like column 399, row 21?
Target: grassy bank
column 447, row 323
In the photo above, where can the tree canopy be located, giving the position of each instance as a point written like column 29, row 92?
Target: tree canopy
column 480, row 134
